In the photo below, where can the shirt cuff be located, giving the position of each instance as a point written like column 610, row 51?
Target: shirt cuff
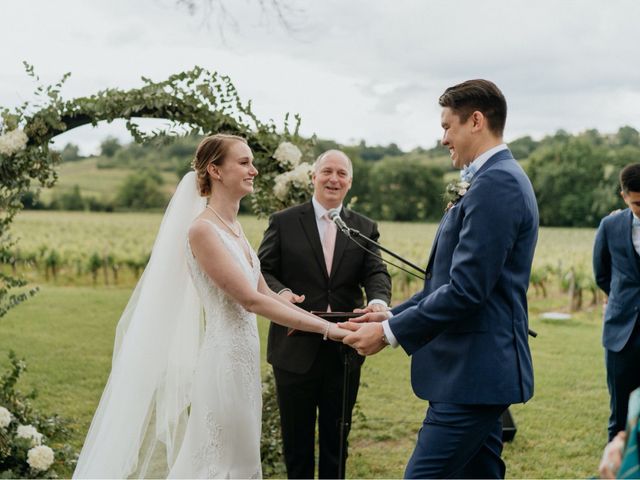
column 389, row 334
column 377, row 300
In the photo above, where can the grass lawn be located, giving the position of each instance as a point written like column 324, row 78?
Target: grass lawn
column 66, row 335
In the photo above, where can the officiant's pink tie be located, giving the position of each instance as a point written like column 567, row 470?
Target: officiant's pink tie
column 329, row 242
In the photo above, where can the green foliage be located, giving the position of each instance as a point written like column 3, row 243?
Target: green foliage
column 271, row 441
column 72, row 200
column 575, row 177
column 70, row 153
column 402, row 190
column 141, row 190
column 52, row 428
column 110, row 146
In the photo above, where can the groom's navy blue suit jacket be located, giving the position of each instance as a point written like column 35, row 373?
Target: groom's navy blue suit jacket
column 467, row 330
column 617, row 272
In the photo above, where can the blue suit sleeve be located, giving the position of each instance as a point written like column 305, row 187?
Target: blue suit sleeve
column 414, row 300
column 493, row 213
column 602, row 259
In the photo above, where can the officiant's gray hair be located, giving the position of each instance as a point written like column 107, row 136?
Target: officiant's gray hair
column 323, row 155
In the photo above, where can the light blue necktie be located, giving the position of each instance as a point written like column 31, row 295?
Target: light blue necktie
column 467, row 173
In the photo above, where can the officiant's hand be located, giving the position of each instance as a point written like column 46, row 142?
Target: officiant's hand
column 372, row 307
column 366, row 338
column 372, row 317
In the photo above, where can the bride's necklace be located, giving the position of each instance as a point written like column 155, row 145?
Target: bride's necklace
column 237, row 234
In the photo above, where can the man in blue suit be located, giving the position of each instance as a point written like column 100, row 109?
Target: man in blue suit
column 466, row 331
column 616, row 265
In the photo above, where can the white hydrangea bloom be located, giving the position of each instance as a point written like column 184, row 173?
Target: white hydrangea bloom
column 287, row 154
column 40, row 458
column 299, row 177
column 5, row 417
column 281, row 186
column 29, row 431
column 12, row 142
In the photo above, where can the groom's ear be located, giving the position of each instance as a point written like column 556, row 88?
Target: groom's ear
column 478, row 120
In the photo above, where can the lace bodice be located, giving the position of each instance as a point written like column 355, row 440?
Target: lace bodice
column 223, row 315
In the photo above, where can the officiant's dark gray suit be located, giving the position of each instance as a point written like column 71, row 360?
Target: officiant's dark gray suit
column 308, row 370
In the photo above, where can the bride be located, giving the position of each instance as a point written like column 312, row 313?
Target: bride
column 184, row 396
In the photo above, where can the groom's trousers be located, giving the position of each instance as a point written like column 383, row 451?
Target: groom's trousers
column 459, row 441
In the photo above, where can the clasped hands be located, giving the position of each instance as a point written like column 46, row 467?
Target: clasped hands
column 365, row 333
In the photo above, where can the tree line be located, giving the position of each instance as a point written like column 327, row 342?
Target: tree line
column 575, row 176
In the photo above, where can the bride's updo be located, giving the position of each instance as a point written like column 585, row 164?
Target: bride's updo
column 212, row 149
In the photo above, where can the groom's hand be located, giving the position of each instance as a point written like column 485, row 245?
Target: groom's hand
column 366, row 339
column 372, row 317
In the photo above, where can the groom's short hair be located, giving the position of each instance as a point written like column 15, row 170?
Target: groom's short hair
column 477, row 95
column 630, row 178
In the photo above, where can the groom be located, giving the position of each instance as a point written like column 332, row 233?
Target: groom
column 467, row 329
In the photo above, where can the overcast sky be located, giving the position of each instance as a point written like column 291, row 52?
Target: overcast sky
column 353, row 69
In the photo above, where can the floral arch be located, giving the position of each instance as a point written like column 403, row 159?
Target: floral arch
column 197, row 101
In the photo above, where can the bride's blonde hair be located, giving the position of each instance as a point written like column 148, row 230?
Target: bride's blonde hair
column 212, row 150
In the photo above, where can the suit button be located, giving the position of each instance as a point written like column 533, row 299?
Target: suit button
column 636, row 309
column 428, row 275
column 328, row 291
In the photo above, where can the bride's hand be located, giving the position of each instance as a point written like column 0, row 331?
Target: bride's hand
column 336, row 333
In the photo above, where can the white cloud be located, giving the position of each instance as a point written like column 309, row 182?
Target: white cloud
column 370, row 69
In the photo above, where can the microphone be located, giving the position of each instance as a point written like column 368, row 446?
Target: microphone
column 334, row 216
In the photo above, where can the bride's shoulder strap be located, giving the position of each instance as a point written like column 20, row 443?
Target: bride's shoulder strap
column 206, row 220
column 215, row 228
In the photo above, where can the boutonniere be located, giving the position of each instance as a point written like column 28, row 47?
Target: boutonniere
column 454, row 192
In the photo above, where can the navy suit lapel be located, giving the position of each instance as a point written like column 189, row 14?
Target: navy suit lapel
column 310, row 228
column 435, row 239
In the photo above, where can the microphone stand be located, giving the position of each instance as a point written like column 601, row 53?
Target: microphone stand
column 344, row 425
column 357, row 234
column 352, row 232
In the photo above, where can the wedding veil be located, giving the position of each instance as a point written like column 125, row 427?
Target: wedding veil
column 139, row 424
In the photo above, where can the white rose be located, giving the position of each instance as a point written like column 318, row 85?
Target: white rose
column 40, row 458
column 281, row 186
column 12, row 142
column 29, row 431
column 5, row 417
column 302, row 174
column 287, row 154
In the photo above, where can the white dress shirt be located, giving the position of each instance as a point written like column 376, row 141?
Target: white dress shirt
column 635, row 234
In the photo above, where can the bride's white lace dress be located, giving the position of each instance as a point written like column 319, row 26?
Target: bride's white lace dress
column 222, row 438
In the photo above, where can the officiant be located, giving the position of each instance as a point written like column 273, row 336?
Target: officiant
column 309, row 263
